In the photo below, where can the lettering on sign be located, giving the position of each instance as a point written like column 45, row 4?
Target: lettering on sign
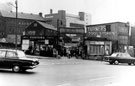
column 31, row 32
column 65, row 30
column 101, row 33
column 97, row 42
column 71, row 35
column 101, row 28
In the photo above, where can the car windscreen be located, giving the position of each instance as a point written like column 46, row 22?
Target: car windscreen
column 21, row 54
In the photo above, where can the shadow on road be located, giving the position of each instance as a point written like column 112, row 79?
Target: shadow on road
column 10, row 71
column 120, row 64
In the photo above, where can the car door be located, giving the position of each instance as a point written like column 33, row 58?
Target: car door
column 2, row 58
column 126, row 58
column 11, row 58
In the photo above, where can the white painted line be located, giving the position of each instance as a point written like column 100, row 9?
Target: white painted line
column 96, row 79
column 67, row 84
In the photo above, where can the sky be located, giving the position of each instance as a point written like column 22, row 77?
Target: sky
column 101, row 11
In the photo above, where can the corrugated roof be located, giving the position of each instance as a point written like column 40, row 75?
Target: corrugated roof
column 47, row 25
column 21, row 15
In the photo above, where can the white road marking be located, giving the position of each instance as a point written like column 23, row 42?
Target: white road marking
column 67, row 84
column 96, row 79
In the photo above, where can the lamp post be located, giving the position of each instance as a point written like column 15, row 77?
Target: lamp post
column 16, row 6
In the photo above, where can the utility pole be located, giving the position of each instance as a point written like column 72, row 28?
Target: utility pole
column 16, row 19
column 58, row 33
column 16, row 2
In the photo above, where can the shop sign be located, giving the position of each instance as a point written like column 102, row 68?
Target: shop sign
column 25, row 46
column 31, row 32
column 71, row 30
column 101, row 28
column 25, row 41
column 95, row 34
column 97, row 42
column 76, row 39
column 46, row 41
column 71, row 35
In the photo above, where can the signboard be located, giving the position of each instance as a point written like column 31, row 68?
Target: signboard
column 101, row 28
column 25, row 41
column 3, row 40
column 46, row 41
column 72, row 30
column 25, row 46
column 97, row 42
column 76, row 39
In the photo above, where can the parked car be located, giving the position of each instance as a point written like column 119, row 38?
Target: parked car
column 16, row 60
column 120, row 57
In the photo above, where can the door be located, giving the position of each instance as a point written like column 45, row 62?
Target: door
column 11, row 58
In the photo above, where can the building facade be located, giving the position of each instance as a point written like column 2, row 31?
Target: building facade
column 69, row 24
column 63, row 19
column 102, row 39
column 40, row 37
column 9, row 28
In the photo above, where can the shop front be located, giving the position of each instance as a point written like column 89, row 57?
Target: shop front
column 39, row 39
column 98, row 47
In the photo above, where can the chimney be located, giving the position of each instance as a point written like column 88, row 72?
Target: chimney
column 40, row 14
column 51, row 11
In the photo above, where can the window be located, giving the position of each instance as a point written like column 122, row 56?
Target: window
column 11, row 54
column 2, row 54
column 108, row 28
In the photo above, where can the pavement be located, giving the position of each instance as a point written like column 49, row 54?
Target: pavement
column 45, row 57
column 96, row 58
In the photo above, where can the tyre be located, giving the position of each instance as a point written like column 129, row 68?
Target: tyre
column 133, row 63
column 129, row 63
column 16, row 68
column 116, row 62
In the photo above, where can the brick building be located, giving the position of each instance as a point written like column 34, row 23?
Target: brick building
column 63, row 19
column 8, row 24
column 107, row 37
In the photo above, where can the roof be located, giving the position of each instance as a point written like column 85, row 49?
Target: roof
column 21, row 15
column 47, row 25
column 106, row 24
column 8, row 49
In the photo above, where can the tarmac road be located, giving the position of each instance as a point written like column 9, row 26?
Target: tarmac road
column 71, row 72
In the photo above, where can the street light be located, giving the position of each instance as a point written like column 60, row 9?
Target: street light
column 16, row 6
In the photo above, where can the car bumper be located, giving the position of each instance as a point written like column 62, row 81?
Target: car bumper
column 29, row 67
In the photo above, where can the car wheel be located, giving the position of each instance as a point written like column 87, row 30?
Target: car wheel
column 133, row 63
column 16, row 68
column 129, row 63
column 116, row 62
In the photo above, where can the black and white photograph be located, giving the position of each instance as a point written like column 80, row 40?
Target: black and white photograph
column 67, row 43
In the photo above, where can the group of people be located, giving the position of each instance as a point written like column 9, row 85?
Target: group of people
column 55, row 51
column 68, row 52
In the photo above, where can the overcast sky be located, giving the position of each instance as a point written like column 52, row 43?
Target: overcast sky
column 102, row 11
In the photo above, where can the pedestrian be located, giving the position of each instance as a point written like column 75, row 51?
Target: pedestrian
column 68, row 53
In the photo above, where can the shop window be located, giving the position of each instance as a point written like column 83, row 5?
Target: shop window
column 108, row 28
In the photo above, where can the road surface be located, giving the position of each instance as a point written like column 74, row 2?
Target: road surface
column 71, row 72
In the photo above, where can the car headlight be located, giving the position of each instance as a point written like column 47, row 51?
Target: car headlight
column 33, row 63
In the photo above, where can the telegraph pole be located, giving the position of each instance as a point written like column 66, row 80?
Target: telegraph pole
column 16, row 2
